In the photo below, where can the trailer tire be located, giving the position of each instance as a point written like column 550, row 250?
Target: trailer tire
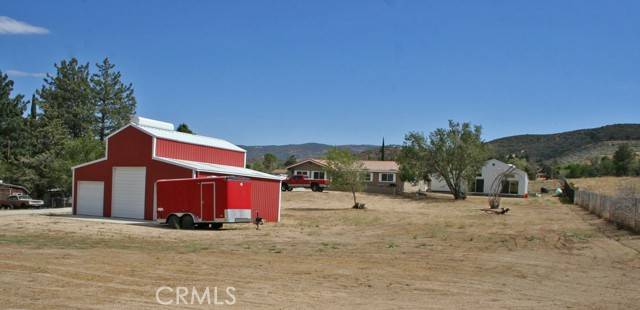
column 314, row 187
column 173, row 222
column 187, row 222
column 216, row 226
column 285, row 187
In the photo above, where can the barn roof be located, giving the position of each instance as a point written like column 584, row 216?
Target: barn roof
column 214, row 168
column 188, row 138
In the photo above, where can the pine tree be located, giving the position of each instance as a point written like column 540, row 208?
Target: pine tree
column 382, row 150
column 34, row 108
column 67, row 96
column 184, row 128
column 115, row 102
column 12, row 124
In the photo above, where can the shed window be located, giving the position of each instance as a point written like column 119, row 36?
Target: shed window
column 510, row 187
column 387, row 177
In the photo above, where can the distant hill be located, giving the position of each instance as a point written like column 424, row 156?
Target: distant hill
column 570, row 146
column 301, row 151
column 565, row 147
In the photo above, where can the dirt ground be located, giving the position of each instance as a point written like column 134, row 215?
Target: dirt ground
column 400, row 253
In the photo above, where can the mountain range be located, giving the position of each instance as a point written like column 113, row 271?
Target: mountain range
column 565, row 147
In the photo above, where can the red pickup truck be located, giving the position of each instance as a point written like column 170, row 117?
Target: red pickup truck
column 295, row 181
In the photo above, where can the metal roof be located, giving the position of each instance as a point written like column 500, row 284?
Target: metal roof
column 188, row 138
column 221, row 169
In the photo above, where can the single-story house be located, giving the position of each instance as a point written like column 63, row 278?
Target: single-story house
column 7, row 190
column 123, row 183
column 513, row 184
column 380, row 176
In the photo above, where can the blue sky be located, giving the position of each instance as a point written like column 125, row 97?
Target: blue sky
column 338, row 72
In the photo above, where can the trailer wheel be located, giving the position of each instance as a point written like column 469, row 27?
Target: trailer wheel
column 216, row 226
column 285, row 187
column 173, row 222
column 314, row 187
column 187, row 222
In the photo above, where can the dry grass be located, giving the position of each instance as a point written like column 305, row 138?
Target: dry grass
column 399, row 253
column 607, row 185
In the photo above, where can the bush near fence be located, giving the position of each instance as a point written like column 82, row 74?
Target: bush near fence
column 622, row 211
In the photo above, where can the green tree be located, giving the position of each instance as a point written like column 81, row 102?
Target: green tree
column 12, row 123
column 346, row 171
column 68, row 96
column 269, row 162
column 184, row 128
column 257, row 165
column 623, row 159
column 382, row 150
column 290, row 160
column 413, row 158
column 115, row 102
column 454, row 154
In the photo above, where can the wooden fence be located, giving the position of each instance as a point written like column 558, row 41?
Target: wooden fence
column 621, row 211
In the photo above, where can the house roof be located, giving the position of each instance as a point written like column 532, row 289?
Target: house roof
column 380, row 165
column 321, row 162
column 2, row 184
column 370, row 165
column 188, row 138
column 215, row 168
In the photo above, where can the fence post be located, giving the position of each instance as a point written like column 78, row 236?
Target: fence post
column 637, row 216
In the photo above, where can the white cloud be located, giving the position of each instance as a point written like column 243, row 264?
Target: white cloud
column 9, row 25
column 18, row 73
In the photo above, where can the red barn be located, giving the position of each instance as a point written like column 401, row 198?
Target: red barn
column 122, row 184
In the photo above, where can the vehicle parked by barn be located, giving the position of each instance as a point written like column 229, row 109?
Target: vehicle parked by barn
column 301, row 181
column 20, row 201
column 203, row 202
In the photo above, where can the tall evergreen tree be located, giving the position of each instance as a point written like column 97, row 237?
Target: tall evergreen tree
column 34, row 108
column 184, row 128
column 115, row 102
column 67, row 96
column 12, row 124
column 382, row 150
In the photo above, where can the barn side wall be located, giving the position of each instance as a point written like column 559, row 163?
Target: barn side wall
column 185, row 151
column 265, row 197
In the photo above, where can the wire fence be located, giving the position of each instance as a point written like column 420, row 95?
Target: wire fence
column 622, row 211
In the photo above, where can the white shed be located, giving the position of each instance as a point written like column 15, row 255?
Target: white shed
column 516, row 183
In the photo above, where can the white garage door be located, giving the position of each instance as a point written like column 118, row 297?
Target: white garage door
column 128, row 192
column 90, row 198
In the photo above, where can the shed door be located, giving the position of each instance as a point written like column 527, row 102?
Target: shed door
column 128, row 192
column 90, row 198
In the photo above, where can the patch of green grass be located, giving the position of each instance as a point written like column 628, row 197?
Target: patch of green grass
column 578, row 234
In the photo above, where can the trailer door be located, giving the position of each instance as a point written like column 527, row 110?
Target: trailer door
column 207, row 201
